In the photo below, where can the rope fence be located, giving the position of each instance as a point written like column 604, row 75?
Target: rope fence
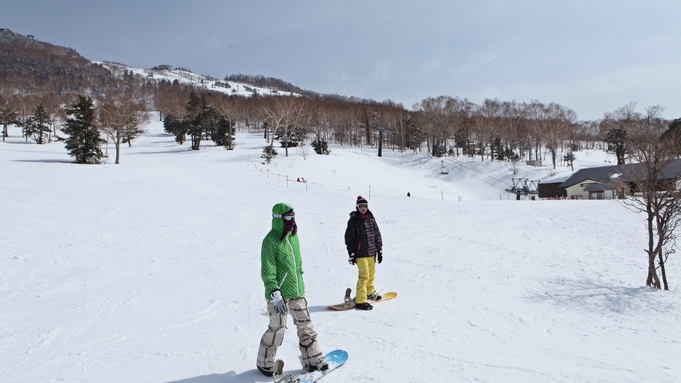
column 304, row 184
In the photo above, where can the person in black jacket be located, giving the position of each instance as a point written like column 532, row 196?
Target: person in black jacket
column 364, row 244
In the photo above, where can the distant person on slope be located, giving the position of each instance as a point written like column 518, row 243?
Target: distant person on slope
column 282, row 273
column 364, row 244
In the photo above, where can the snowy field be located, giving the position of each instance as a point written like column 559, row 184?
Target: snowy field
column 148, row 271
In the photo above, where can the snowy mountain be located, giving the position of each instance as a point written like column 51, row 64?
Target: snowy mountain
column 149, row 271
column 28, row 65
column 185, row 76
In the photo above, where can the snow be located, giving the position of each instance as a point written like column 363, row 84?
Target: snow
column 148, row 271
column 197, row 80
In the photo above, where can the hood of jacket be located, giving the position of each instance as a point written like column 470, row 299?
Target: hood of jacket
column 280, row 208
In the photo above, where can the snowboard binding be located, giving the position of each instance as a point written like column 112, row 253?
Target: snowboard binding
column 348, row 301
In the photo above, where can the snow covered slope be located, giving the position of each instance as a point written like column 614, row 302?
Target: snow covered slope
column 187, row 77
column 148, row 271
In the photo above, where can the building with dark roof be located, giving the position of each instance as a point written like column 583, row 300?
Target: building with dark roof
column 593, row 183
column 608, row 182
column 551, row 189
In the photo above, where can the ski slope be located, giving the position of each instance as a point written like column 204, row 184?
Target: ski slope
column 148, row 271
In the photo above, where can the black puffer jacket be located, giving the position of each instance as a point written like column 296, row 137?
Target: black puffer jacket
column 362, row 236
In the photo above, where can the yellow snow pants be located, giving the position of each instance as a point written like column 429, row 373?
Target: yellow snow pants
column 365, row 280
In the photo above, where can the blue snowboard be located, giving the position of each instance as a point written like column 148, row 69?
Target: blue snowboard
column 335, row 358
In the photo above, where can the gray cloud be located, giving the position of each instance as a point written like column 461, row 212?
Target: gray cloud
column 590, row 56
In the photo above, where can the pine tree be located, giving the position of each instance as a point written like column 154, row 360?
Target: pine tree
column 321, row 146
column 224, row 133
column 200, row 119
column 289, row 137
column 570, row 158
column 616, row 138
column 38, row 125
column 177, row 127
column 83, row 142
column 268, row 153
column 8, row 116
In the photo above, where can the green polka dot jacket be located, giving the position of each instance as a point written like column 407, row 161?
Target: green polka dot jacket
column 280, row 259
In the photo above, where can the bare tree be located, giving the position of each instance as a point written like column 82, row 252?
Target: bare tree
column 283, row 114
column 557, row 126
column 438, row 118
column 54, row 106
column 536, row 114
column 485, row 125
column 25, row 106
column 121, row 118
column 654, row 179
column 227, row 109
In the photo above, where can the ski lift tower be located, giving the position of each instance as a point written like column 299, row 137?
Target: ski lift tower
column 443, row 170
column 523, row 186
column 381, row 127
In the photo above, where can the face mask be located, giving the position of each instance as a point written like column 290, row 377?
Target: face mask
column 290, row 224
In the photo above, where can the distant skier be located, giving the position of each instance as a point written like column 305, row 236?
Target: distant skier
column 364, row 244
column 282, row 273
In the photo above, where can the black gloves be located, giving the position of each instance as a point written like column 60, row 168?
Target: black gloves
column 353, row 261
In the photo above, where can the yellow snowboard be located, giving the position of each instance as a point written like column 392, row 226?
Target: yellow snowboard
column 350, row 302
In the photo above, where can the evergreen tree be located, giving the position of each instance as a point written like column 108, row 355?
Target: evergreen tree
column 321, row 146
column 8, row 116
column 498, row 149
column 617, row 142
column 570, row 158
column 38, row 125
column 201, row 117
column 175, row 126
column 673, row 133
column 268, row 153
column 83, row 140
column 462, row 140
column 290, row 137
column 224, row 133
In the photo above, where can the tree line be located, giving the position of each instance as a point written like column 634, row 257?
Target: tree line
column 45, row 90
column 441, row 126
column 119, row 114
column 35, row 73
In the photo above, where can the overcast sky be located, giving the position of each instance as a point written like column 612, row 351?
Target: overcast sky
column 591, row 56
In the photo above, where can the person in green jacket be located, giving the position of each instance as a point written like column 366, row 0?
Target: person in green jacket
column 282, row 273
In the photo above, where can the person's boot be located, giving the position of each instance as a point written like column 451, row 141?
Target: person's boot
column 266, row 371
column 363, row 306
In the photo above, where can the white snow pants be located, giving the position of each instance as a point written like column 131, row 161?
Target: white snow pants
column 310, row 352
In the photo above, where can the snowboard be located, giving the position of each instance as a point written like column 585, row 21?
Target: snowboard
column 335, row 359
column 349, row 303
